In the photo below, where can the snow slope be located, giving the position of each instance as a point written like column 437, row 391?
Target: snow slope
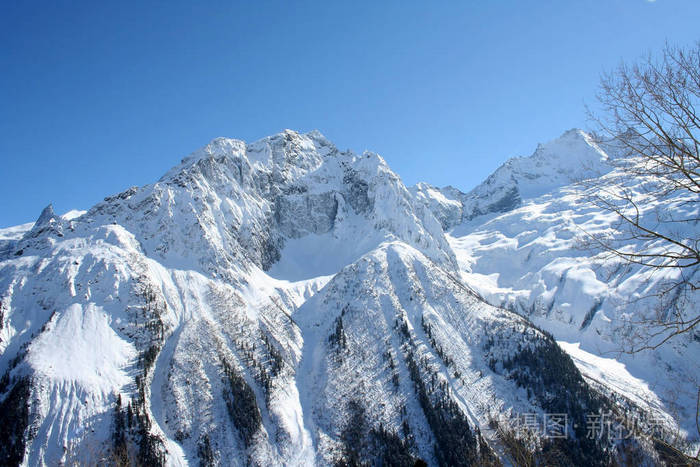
column 532, row 257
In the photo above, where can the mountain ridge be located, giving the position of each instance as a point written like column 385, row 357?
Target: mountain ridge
column 207, row 338
column 572, row 157
column 535, row 257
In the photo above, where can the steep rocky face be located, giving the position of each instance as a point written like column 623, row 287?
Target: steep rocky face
column 445, row 203
column 230, row 201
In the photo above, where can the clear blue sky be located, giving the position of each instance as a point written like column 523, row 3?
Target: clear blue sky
column 99, row 96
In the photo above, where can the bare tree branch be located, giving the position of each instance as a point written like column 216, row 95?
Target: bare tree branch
column 649, row 114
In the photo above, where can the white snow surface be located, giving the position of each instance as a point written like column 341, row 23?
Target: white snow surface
column 531, row 257
column 16, row 232
column 81, row 347
column 531, row 260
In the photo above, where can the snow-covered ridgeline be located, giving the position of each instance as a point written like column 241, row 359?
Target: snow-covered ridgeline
column 572, row 157
column 262, row 301
column 166, row 282
column 535, row 257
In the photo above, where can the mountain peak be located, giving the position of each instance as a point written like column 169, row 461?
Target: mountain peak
column 222, row 145
column 46, row 216
column 571, row 150
column 255, row 198
column 571, row 157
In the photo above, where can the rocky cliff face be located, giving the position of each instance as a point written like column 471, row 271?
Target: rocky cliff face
column 272, row 303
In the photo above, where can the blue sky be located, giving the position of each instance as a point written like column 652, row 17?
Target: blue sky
column 99, row 96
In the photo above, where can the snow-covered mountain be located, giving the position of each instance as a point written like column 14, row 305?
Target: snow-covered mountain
column 534, row 256
column 285, row 303
column 572, row 157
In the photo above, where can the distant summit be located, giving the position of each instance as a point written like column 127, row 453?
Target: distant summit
column 572, row 157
